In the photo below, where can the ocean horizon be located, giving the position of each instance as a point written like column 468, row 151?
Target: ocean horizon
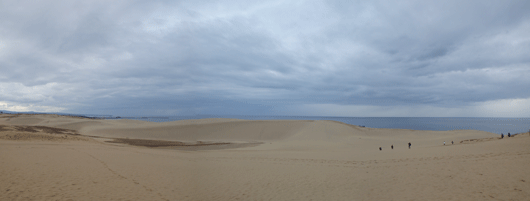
column 496, row 125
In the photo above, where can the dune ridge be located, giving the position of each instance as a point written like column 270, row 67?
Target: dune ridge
column 234, row 129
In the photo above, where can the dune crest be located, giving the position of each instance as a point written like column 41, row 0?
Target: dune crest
column 228, row 130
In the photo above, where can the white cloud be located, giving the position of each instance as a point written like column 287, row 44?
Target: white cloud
column 503, row 108
column 18, row 92
column 16, row 107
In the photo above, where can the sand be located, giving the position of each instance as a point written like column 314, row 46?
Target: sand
column 52, row 157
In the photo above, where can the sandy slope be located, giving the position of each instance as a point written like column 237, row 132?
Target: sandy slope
column 300, row 160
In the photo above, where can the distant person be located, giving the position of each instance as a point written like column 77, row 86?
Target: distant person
column 509, row 135
column 380, row 148
column 409, row 145
column 502, row 135
column 392, row 146
column 444, row 143
column 452, row 142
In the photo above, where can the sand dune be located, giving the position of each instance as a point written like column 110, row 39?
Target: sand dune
column 240, row 130
column 51, row 157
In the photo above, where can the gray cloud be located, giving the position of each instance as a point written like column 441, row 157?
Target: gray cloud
column 201, row 57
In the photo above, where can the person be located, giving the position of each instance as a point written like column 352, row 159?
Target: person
column 452, row 142
column 392, row 146
column 508, row 134
column 444, row 143
column 409, row 145
column 380, row 149
column 502, row 135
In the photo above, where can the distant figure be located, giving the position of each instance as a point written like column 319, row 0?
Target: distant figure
column 444, row 143
column 409, row 145
column 392, row 146
column 452, row 142
column 509, row 135
column 380, row 148
column 502, row 135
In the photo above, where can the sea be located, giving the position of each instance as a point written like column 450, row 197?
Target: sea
column 489, row 124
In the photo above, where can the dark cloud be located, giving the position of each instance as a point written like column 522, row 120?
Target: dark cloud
column 269, row 58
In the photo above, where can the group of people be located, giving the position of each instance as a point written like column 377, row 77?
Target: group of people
column 392, row 147
column 452, row 142
column 502, row 135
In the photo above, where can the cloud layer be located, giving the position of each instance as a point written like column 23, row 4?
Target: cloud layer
column 333, row 58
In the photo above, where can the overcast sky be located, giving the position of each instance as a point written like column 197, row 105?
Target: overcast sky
column 317, row 58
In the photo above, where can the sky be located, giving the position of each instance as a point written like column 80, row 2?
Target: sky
column 282, row 58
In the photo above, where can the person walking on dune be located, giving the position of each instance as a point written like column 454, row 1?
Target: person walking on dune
column 409, row 145
column 392, row 146
column 444, row 143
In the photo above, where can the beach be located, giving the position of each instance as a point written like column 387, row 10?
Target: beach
column 53, row 157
